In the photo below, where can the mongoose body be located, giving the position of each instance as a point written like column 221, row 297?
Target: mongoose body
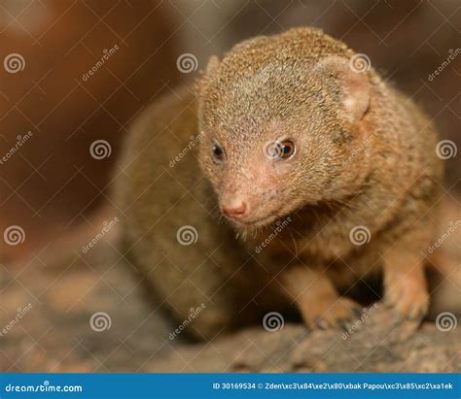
column 324, row 173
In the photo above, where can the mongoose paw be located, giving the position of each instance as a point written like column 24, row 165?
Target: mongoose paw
column 408, row 299
column 335, row 312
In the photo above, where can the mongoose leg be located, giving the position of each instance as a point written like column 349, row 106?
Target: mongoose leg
column 319, row 303
column 405, row 283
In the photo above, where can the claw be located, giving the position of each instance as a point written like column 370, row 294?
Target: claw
column 337, row 312
column 321, row 323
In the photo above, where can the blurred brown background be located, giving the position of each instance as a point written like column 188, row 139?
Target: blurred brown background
column 51, row 183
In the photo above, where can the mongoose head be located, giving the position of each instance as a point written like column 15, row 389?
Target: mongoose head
column 283, row 125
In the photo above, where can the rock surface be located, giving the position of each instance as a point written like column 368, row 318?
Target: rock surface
column 91, row 313
column 293, row 350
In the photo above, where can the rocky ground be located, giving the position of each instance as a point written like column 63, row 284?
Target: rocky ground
column 90, row 312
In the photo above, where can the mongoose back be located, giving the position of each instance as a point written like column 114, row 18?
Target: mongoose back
column 289, row 173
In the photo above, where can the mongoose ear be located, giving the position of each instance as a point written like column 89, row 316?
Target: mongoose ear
column 201, row 84
column 213, row 63
column 354, row 85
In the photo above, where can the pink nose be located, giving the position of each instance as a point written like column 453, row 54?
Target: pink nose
column 235, row 210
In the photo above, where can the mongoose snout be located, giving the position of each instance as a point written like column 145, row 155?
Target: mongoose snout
column 236, row 209
column 252, row 187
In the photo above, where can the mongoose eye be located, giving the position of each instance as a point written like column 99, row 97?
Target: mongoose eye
column 218, row 153
column 281, row 149
column 287, row 149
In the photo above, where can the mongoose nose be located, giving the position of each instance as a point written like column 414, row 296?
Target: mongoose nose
column 235, row 210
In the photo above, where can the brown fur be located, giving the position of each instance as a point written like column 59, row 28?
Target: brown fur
column 365, row 156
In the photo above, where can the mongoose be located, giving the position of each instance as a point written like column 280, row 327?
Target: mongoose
column 281, row 179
